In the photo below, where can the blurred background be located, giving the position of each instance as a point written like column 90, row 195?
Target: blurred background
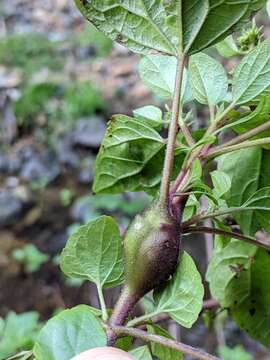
column 60, row 81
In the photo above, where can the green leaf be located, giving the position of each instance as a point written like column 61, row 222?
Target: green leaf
column 228, row 48
column 252, row 76
column 95, row 253
column 236, row 353
column 141, row 353
column 221, row 181
column 140, row 26
column 249, row 171
column 208, row 79
column 160, row 351
column 151, row 114
column 130, row 157
column 231, row 15
column 268, row 7
column 68, row 334
column 182, row 296
column 227, row 272
column 158, row 73
column 261, row 200
column 253, row 313
column 144, row 26
column 19, row 332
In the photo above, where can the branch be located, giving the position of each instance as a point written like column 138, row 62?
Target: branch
column 172, row 344
column 248, row 135
column 209, row 230
column 169, row 158
column 220, row 150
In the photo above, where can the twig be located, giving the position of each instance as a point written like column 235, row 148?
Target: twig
column 220, row 150
column 169, row 158
column 247, row 135
column 172, row 344
column 235, row 235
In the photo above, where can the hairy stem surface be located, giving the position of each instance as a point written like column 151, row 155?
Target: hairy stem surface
column 169, row 158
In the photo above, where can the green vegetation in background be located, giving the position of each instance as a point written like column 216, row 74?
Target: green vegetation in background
column 90, row 35
column 57, row 102
column 30, row 257
column 30, row 51
column 18, row 332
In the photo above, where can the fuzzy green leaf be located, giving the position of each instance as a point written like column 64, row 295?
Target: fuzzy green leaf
column 68, row 334
column 141, row 353
column 227, row 272
column 208, row 79
column 253, row 313
column 95, row 253
column 151, row 114
column 252, row 77
column 249, row 171
column 160, row 351
column 228, row 48
column 182, row 296
column 130, row 157
column 158, row 73
column 222, row 183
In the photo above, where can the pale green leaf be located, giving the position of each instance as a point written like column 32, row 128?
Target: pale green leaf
column 152, row 115
column 221, row 181
column 227, row 272
column 261, row 200
column 252, row 76
column 253, row 313
column 182, row 296
column 68, row 334
column 160, row 351
column 141, row 353
column 236, row 353
column 268, row 7
column 228, row 48
column 208, row 79
column 249, row 171
column 130, row 157
column 158, row 73
column 95, row 253
column 139, row 25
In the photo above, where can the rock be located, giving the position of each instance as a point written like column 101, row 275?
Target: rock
column 11, row 208
column 89, row 132
column 40, row 167
column 86, row 174
column 66, row 153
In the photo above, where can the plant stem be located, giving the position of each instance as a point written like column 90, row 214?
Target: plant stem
column 200, row 217
column 142, row 319
column 172, row 344
column 217, row 151
column 235, row 235
column 219, row 120
column 102, row 303
column 247, row 135
column 169, row 158
column 122, row 309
